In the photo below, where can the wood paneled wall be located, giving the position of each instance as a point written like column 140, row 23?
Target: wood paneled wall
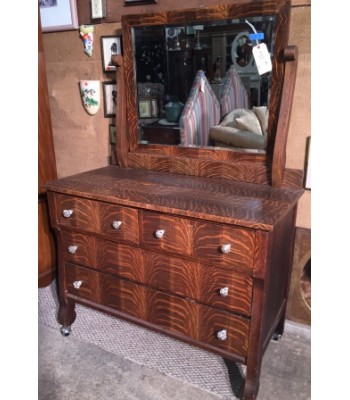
column 82, row 141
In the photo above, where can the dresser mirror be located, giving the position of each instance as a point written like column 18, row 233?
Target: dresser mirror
column 163, row 54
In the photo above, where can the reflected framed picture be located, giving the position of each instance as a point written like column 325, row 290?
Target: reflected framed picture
column 58, row 15
column 145, row 108
column 110, row 45
column 109, row 98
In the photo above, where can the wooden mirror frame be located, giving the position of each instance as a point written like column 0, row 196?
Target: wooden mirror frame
column 242, row 166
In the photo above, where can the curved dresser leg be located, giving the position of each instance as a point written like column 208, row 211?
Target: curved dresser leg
column 251, row 386
column 66, row 316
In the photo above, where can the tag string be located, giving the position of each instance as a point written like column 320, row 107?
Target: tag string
column 253, row 28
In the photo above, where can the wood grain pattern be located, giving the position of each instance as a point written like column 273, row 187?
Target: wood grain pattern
column 178, row 233
column 129, row 228
column 187, row 162
column 161, row 309
column 199, row 282
column 209, row 239
column 104, row 255
column 85, row 214
column 107, row 290
column 47, row 262
column 197, row 197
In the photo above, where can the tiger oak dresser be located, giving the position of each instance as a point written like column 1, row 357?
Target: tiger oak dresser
column 204, row 260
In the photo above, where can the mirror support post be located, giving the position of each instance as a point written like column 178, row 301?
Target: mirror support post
column 121, row 146
column 279, row 152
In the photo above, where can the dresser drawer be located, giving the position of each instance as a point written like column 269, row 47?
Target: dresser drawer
column 104, row 255
column 106, row 290
column 168, row 233
column 199, row 322
column 119, row 223
column 75, row 212
column 224, row 245
column 222, row 289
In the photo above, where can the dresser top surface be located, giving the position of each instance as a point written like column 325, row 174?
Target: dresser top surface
column 244, row 204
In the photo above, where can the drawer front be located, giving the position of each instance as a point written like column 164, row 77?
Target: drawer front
column 167, row 233
column 106, row 290
column 75, row 212
column 80, row 249
column 113, row 258
column 232, row 330
column 120, row 223
column 174, row 314
column 226, row 290
column 172, row 274
column 223, row 245
column 198, row 322
column 216, row 287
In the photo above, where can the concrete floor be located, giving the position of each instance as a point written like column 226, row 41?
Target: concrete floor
column 71, row 369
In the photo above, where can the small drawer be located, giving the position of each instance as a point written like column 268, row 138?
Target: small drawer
column 164, row 232
column 106, row 290
column 104, row 255
column 75, row 212
column 224, row 245
column 120, row 223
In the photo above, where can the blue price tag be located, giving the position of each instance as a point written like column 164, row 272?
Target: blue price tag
column 256, row 36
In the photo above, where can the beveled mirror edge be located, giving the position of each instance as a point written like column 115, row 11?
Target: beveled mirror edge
column 228, row 164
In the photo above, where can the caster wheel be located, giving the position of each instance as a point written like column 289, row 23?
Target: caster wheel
column 276, row 337
column 65, row 330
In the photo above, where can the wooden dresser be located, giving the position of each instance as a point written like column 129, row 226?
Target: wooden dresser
column 204, row 260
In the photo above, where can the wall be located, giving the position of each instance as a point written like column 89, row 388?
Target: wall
column 82, row 141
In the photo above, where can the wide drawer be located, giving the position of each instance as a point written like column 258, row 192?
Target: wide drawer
column 174, row 314
column 219, row 288
column 224, row 245
column 118, row 223
column 104, row 255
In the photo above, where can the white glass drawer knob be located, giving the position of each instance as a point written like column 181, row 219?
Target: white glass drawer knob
column 72, row 249
column 226, row 248
column 77, row 284
column 160, row 233
column 222, row 335
column 116, row 224
column 224, row 291
column 67, row 213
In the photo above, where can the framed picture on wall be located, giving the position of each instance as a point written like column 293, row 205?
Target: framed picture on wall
column 109, row 98
column 145, row 108
column 110, row 45
column 58, row 15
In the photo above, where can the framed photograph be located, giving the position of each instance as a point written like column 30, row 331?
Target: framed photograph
column 154, row 107
column 112, row 134
column 138, row 2
column 58, row 15
column 109, row 98
column 145, row 108
column 110, row 45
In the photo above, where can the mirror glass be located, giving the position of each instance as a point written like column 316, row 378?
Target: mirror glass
column 167, row 59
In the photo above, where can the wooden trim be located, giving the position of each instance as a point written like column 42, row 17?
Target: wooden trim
column 122, row 142
column 279, row 153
